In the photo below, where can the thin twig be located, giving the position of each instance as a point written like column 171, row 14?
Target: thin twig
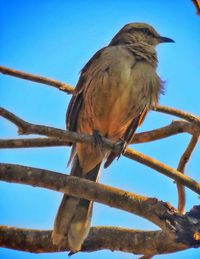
column 38, row 79
column 184, row 115
column 175, row 127
column 181, row 168
column 163, row 169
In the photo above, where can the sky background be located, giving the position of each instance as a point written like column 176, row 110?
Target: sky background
column 55, row 39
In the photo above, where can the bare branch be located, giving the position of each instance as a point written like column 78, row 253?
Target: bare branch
column 181, row 168
column 114, row 197
column 163, row 169
column 112, row 238
column 184, row 115
column 33, row 142
column 38, row 79
column 28, row 128
column 176, row 127
column 69, row 89
column 179, row 231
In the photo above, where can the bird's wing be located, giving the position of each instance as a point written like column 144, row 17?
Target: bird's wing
column 77, row 98
column 76, row 101
column 136, row 122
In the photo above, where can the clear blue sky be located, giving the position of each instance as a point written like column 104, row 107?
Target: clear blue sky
column 55, row 39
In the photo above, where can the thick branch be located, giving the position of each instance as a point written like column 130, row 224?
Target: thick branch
column 112, row 238
column 39, row 79
column 149, row 208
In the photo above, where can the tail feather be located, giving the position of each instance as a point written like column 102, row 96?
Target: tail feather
column 73, row 218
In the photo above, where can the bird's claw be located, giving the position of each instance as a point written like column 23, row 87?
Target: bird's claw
column 98, row 141
column 122, row 147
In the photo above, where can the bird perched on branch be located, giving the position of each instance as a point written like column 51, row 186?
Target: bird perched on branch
column 116, row 89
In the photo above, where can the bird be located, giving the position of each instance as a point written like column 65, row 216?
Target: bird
column 116, row 89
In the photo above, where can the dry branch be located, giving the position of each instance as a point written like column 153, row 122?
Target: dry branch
column 33, row 142
column 69, row 89
column 114, row 197
column 112, row 238
column 38, row 79
column 184, row 115
column 163, row 169
column 60, row 139
column 181, row 168
column 28, row 128
column 178, row 231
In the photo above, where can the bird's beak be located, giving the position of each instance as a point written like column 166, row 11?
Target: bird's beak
column 164, row 39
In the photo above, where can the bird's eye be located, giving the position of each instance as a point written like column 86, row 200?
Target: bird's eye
column 146, row 31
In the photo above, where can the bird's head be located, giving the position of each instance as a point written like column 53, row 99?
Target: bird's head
column 136, row 33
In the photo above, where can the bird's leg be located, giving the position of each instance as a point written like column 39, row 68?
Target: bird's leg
column 98, row 141
column 123, row 145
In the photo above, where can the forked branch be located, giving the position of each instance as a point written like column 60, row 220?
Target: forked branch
column 28, row 128
column 178, row 231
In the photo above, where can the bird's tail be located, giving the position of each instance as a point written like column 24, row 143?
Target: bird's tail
column 72, row 222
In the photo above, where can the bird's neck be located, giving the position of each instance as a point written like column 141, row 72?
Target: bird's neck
column 143, row 51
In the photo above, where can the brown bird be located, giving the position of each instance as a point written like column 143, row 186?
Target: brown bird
column 115, row 90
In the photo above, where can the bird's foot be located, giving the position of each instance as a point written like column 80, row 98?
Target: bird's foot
column 122, row 147
column 98, row 140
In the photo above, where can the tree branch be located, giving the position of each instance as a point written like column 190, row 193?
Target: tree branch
column 176, row 127
column 38, row 79
column 181, row 168
column 149, row 208
column 179, row 231
column 184, row 115
column 28, row 128
column 69, row 89
column 33, row 142
column 112, row 238
column 163, row 169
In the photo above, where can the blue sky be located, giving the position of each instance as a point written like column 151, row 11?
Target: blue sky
column 55, row 39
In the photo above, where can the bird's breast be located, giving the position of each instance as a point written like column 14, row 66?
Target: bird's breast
column 117, row 92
